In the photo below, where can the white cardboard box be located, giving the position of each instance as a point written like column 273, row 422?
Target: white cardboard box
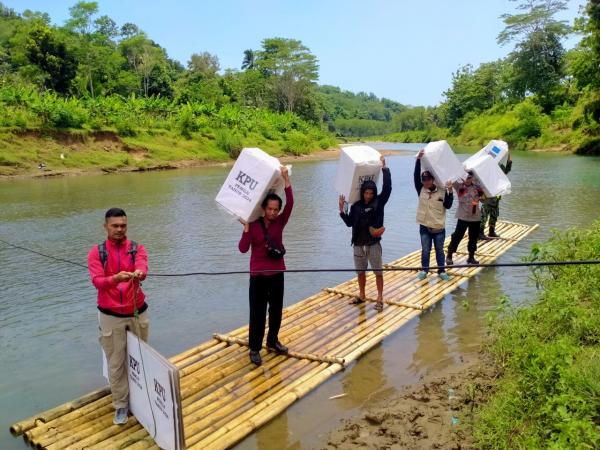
column 489, row 175
column 251, row 178
column 357, row 164
column 441, row 161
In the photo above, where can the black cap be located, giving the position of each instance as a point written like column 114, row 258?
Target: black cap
column 426, row 175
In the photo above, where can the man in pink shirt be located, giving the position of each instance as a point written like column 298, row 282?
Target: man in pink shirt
column 117, row 266
column 265, row 237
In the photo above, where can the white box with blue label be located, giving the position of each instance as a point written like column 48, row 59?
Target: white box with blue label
column 497, row 149
column 489, row 175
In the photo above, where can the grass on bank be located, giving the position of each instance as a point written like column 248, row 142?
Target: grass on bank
column 21, row 153
column 115, row 132
column 549, row 353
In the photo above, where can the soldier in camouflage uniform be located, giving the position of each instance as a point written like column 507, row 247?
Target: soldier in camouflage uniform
column 491, row 208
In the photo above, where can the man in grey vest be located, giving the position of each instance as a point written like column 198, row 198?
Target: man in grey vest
column 431, row 217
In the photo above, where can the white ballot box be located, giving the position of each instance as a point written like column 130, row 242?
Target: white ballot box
column 155, row 394
column 440, row 160
column 489, row 175
column 357, row 164
column 497, row 149
column 252, row 176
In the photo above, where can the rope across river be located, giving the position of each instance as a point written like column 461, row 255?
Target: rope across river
column 326, row 270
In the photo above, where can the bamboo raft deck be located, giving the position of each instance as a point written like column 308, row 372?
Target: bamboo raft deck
column 225, row 398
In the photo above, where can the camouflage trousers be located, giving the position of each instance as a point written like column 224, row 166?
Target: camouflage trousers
column 491, row 210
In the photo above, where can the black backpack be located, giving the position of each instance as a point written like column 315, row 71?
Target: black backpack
column 103, row 253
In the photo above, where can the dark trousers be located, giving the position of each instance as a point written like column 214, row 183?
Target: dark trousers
column 427, row 237
column 265, row 289
column 461, row 227
column 491, row 209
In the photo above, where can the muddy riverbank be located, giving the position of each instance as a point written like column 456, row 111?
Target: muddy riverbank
column 434, row 413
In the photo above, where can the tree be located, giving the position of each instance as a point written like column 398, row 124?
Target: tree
column 537, row 59
column 107, row 27
column 248, row 62
column 7, row 12
column 538, row 66
column 81, row 22
column 291, row 69
column 129, row 29
column 143, row 57
column 473, row 91
column 584, row 60
column 538, row 16
column 203, row 65
column 52, row 57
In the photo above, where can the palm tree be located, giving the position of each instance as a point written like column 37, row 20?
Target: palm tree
column 248, row 62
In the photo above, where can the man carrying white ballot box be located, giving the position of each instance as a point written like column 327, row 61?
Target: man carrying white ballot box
column 468, row 214
column 431, row 217
column 491, row 207
column 366, row 219
column 265, row 237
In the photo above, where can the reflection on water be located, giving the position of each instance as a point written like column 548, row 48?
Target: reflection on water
column 359, row 382
column 47, row 313
column 432, row 341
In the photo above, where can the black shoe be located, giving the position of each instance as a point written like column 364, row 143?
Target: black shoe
column 472, row 260
column 492, row 233
column 482, row 236
column 255, row 358
column 278, row 348
column 449, row 261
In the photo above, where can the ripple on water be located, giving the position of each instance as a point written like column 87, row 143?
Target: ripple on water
column 48, row 319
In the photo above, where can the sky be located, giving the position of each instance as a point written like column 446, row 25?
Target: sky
column 398, row 49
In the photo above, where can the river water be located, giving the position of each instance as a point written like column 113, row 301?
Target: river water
column 48, row 319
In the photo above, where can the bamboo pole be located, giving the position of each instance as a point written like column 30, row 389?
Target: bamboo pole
column 27, row 424
column 241, row 428
column 217, row 430
column 74, row 416
column 119, row 440
column 203, row 422
column 290, row 353
column 73, row 437
column 198, row 359
column 238, row 387
column 476, row 254
column 44, row 433
column 180, row 358
column 206, row 362
column 370, row 299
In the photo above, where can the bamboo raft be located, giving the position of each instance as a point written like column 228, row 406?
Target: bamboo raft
column 225, row 398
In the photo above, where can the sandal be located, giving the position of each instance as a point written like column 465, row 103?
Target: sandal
column 356, row 301
column 378, row 306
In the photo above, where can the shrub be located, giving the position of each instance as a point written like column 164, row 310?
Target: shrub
column 297, row 143
column 589, row 147
column 186, row 121
column 125, row 128
column 229, row 142
column 549, row 395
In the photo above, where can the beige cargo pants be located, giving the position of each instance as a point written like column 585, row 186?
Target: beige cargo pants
column 112, row 334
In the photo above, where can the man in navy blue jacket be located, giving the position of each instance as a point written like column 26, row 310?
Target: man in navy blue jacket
column 366, row 219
